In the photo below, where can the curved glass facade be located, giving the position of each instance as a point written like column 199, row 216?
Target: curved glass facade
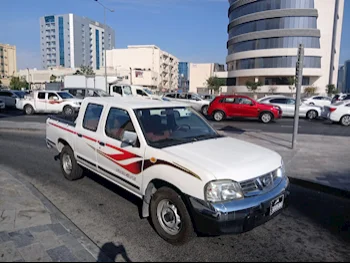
column 274, row 23
column 273, row 62
column 265, row 5
column 277, row 42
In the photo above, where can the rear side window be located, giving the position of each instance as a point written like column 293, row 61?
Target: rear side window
column 118, row 121
column 279, row 101
column 41, row 95
column 228, row 100
column 317, row 98
column 118, row 89
column 92, row 117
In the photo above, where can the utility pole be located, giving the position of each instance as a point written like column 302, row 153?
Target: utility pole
column 298, row 83
column 105, row 44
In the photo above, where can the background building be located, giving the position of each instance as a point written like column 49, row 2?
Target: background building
column 183, row 76
column 340, row 85
column 71, row 41
column 8, row 63
column 264, row 36
column 199, row 73
column 148, row 64
column 344, row 78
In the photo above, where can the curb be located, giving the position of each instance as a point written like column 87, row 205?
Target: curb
column 73, row 229
column 320, row 188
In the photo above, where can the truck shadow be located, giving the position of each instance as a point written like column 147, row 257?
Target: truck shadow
column 109, row 253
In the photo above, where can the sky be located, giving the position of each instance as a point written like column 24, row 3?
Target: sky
column 192, row 30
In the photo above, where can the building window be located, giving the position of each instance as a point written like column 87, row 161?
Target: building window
column 61, row 40
column 97, row 49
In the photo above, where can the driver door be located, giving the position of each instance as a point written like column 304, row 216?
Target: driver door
column 118, row 161
column 248, row 108
column 54, row 102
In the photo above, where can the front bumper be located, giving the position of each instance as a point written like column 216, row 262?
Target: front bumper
column 236, row 216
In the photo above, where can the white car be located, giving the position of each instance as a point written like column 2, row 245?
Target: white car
column 266, row 98
column 10, row 97
column 188, row 177
column 318, row 101
column 49, row 102
column 192, row 99
column 288, row 107
column 339, row 112
column 2, row 105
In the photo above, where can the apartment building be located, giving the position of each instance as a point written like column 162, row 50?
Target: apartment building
column 264, row 37
column 8, row 61
column 71, row 41
column 149, row 66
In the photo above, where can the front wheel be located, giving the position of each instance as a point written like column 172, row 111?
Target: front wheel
column 69, row 166
column 170, row 217
column 28, row 110
column 219, row 116
column 266, row 117
column 68, row 111
column 345, row 120
column 205, row 110
column 312, row 114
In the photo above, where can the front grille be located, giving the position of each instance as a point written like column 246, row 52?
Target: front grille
column 259, row 184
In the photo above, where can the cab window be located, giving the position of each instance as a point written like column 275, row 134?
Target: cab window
column 52, row 96
column 118, row 121
column 92, row 117
column 41, row 95
column 141, row 93
column 118, row 89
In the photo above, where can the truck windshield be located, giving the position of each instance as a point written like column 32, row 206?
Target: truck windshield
column 149, row 92
column 65, row 95
column 20, row 94
column 164, row 127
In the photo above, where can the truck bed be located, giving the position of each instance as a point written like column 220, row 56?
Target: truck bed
column 69, row 120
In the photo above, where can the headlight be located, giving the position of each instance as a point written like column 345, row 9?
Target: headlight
column 281, row 172
column 221, row 191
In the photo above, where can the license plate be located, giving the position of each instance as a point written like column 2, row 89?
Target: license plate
column 276, row 205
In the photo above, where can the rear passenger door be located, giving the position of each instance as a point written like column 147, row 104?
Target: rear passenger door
column 118, row 161
column 87, row 136
column 282, row 103
column 41, row 102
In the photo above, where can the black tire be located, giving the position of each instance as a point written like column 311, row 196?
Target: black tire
column 344, row 121
column 219, row 115
column 186, row 232
column 205, row 110
column 76, row 171
column 312, row 114
column 28, row 110
column 68, row 111
column 266, row 117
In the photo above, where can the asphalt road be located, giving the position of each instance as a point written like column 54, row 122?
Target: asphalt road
column 316, row 226
column 318, row 127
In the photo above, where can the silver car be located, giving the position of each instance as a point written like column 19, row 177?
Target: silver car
column 10, row 97
column 288, row 107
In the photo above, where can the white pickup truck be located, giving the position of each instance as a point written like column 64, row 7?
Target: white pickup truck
column 191, row 179
column 49, row 102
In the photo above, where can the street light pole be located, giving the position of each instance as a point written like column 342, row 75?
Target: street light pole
column 105, row 33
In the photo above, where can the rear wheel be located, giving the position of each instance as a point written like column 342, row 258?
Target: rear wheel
column 219, row 115
column 68, row 111
column 28, row 110
column 205, row 110
column 345, row 120
column 170, row 217
column 312, row 114
column 266, row 117
column 69, row 166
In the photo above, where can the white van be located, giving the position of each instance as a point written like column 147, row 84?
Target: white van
column 121, row 90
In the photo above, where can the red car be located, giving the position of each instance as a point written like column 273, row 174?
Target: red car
column 242, row 106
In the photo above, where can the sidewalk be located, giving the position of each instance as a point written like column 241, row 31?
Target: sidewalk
column 319, row 159
column 32, row 229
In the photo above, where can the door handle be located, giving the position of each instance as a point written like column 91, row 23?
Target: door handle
column 102, row 144
column 80, row 135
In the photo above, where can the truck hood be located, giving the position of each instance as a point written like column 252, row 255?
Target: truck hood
column 228, row 158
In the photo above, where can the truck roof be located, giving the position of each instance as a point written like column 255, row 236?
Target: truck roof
column 134, row 103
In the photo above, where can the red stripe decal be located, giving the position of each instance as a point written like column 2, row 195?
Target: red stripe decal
column 63, row 128
column 121, row 156
column 89, row 138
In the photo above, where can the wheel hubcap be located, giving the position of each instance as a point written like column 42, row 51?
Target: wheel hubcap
column 312, row 115
column 69, row 111
column 67, row 164
column 169, row 217
column 205, row 110
column 266, row 117
column 218, row 116
column 28, row 110
column 346, row 120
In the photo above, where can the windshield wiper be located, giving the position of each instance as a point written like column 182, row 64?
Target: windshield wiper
column 206, row 137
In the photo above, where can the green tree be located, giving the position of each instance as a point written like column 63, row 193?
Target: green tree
column 272, row 89
column 309, row 91
column 291, row 84
column 53, row 78
column 331, row 89
column 18, row 83
column 214, row 84
column 253, row 86
column 85, row 70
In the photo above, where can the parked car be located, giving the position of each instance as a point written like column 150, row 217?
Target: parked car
column 340, row 97
column 188, row 177
column 339, row 112
column 192, row 99
column 242, row 106
column 120, row 90
column 288, row 108
column 10, row 97
column 208, row 97
column 81, row 93
column 2, row 105
column 318, row 101
column 266, row 98
column 50, row 102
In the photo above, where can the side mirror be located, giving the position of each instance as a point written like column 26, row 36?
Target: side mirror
column 129, row 139
column 55, row 98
